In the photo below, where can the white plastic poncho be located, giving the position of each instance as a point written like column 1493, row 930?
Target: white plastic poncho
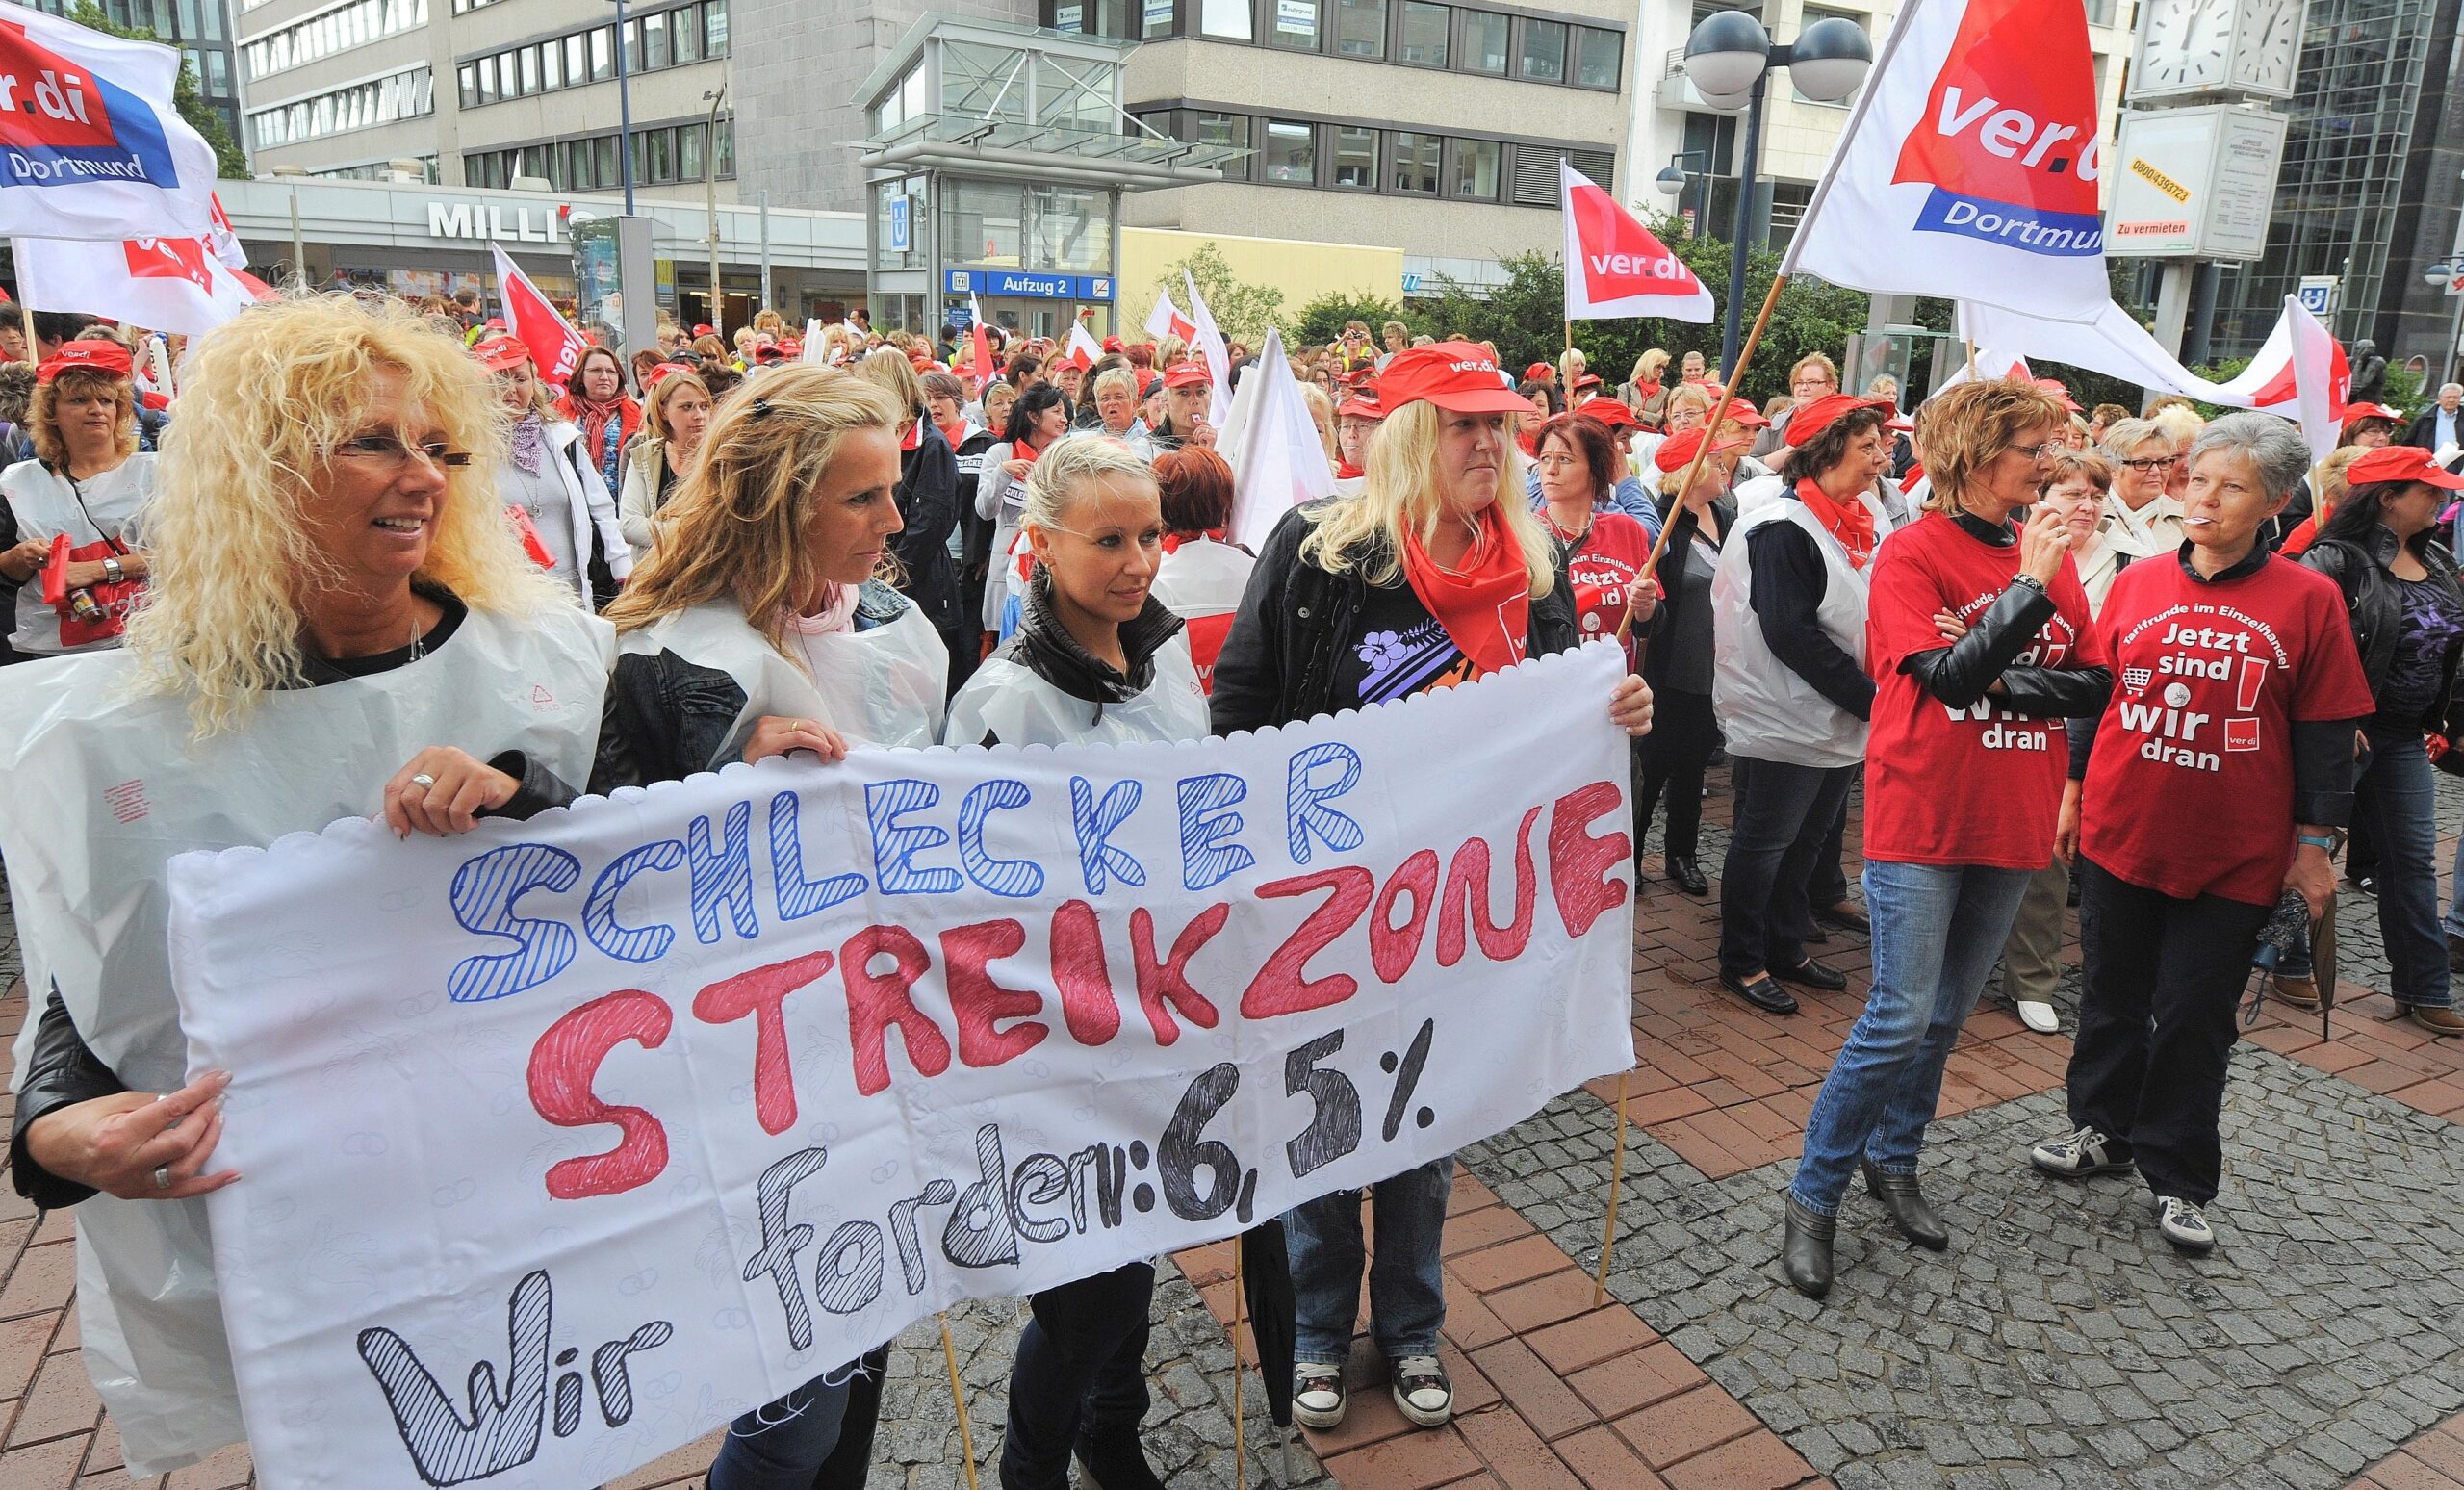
column 1010, row 703
column 881, row 687
column 106, row 789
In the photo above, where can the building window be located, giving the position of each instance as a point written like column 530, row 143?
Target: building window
column 339, row 30
column 1597, row 55
column 1291, row 152
column 603, row 54
column 1355, row 156
column 487, row 80
column 654, row 54
column 1226, row 129
column 1156, row 19
column 1474, row 177
column 530, row 56
column 1296, row 25
column 1360, row 28
column 1415, row 164
column 1425, row 28
column 1484, row 42
column 1226, row 19
column 714, row 32
column 403, row 95
column 1544, row 51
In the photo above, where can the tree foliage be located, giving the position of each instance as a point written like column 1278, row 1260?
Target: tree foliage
column 1526, row 316
column 230, row 162
column 1322, row 320
column 1242, row 311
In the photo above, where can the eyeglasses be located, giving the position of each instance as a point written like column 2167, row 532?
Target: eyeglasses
column 2046, row 451
column 394, row 453
column 2150, row 464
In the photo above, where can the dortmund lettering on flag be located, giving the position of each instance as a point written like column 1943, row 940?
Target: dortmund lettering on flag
column 1614, row 266
column 1969, row 167
column 91, row 146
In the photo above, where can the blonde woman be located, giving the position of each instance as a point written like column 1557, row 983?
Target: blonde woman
column 928, row 499
column 1096, row 658
column 1644, row 393
column 675, row 411
column 553, row 498
column 89, row 482
column 1436, row 574
column 334, row 594
column 1321, row 418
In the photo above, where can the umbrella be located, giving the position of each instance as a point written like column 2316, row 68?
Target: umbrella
column 1266, row 1279
column 2322, row 960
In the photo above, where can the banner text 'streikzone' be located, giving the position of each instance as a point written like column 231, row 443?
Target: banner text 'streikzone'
column 2009, row 145
column 61, row 126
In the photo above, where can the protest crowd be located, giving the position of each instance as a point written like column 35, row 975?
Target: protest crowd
column 2156, row 665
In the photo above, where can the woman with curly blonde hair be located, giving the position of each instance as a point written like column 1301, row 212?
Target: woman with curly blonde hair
column 336, row 593
column 88, row 481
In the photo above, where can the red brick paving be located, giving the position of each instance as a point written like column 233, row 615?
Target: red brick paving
column 2432, row 1461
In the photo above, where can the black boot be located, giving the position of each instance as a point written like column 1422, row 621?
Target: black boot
column 1683, row 873
column 1805, row 1249
column 1909, row 1211
column 1115, row 1460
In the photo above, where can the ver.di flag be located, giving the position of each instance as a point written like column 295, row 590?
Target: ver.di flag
column 555, row 348
column 1082, row 349
column 167, row 284
column 1968, row 168
column 91, row 146
column 2301, row 372
column 1165, row 320
column 1614, row 266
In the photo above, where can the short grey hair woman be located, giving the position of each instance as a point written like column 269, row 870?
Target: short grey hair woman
column 2213, row 784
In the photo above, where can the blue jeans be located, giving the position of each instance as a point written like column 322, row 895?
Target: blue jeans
column 1406, row 1288
column 781, row 1445
column 2397, row 796
column 1936, row 932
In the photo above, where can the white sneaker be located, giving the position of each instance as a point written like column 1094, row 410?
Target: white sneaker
column 1318, row 1394
column 2183, row 1226
column 1423, row 1390
column 2040, row 1016
column 2077, row 1155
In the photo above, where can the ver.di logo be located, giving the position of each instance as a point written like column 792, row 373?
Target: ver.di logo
column 2008, row 139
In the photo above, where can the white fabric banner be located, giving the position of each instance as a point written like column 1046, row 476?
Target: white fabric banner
column 92, row 145
column 1968, row 167
column 2112, row 343
column 1272, row 445
column 1210, row 347
column 567, row 1140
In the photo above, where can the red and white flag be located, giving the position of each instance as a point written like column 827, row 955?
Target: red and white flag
column 91, row 146
column 165, row 284
column 225, row 238
column 980, row 344
column 2301, row 372
column 1968, row 168
column 1165, row 320
column 555, row 348
column 1081, row 350
column 1614, row 266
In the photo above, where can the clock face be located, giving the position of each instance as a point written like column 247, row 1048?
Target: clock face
column 2267, row 45
column 2186, row 45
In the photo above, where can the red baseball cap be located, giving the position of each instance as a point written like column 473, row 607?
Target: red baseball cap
column 793, row 347
column 1111, row 343
column 1455, row 375
column 1587, row 380
column 2355, row 413
column 2053, row 386
column 1363, row 404
column 1608, row 411
column 1535, row 371
column 1810, row 420
column 2401, row 463
column 1674, row 453
column 1188, row 374
column 501, row 353
column 1743, row 411
column 700, row 328
column 98, row 356
column 662, row 374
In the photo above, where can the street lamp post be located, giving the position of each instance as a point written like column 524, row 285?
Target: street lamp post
column 2446, row 276
column 1674, row 180
column 710, row 198
column 623, row 112
column 1730, row 58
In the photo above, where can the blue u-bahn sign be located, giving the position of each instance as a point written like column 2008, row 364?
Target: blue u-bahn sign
column 1029, row 284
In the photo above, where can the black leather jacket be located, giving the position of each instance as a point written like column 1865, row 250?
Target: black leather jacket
column 1960, row 673
column 1278, row 664
column 2374, row 599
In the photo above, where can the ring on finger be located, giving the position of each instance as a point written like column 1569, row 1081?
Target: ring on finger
column 163, row 1178
column 423, row 780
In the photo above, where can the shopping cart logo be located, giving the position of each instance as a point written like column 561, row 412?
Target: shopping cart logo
column 2137, row 679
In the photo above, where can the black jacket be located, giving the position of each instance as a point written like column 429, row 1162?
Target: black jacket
column 2424, row 429
column 1277, row 663
column 1960, row 673
column 928, row 502
column 2374, row 599
column 1044, row 647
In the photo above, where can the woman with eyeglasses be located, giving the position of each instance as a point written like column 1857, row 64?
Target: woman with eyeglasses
column 88, row 484
column 1977, row 641
column 2140, row 519
column 334, row 594
column 554, row 500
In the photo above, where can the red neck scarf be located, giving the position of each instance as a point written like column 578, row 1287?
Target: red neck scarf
column 1647, row 390
column 1346, row 470
column 1172, row 541
column 1908, row 483
column 1486, row 606
column 913, row 437
column 1850, row 521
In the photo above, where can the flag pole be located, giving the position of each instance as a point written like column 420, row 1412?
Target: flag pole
column 957, row 1400
column 1239, row 1436
column 26, row 307
column 1616, row 1178
column 1971, row 359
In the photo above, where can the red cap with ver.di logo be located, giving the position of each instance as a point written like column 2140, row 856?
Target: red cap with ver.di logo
column 1455, row 375
column 2401, row 463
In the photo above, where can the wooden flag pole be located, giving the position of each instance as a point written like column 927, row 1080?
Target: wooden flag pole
column 1240, row 1435
column 957, row 1400
column 1616, row 1181
column 1971, row 359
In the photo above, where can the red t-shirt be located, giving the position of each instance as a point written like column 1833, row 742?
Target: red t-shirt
column 1612, row 555
column 2189, row 791
column 1975, row 785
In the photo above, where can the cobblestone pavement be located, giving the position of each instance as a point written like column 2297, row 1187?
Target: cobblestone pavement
column 2058, row 1344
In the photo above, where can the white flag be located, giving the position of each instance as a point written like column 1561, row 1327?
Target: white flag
column 812, row 351
column 1165, row 320
column 164, row 284
column 1968, row 168
column 2112, row 343
column 90, row 144
column 1209, row 343
column 1082, row 349
column 1272, row 447
column 2301, row 372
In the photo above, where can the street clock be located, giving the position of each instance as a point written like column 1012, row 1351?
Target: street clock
column 2193, row 47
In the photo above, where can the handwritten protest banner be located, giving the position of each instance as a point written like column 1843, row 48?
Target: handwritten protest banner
column 565, row 1141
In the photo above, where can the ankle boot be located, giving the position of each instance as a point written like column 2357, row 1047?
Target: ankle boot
column 1115, row 1460
column 1805, row 1249
column 1909, row 1211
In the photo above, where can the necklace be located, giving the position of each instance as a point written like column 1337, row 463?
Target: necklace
column 418, row 639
